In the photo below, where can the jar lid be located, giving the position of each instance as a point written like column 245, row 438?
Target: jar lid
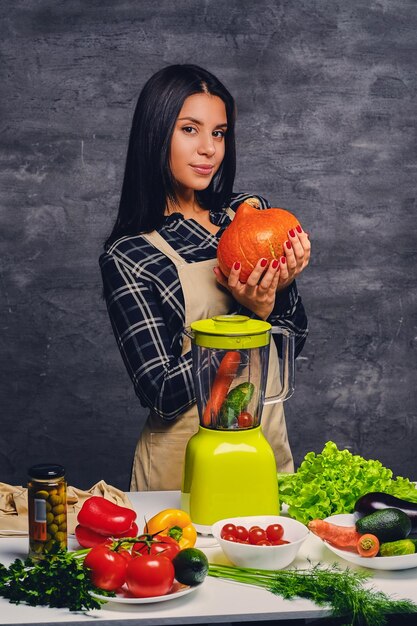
column 226, row 332
column 46, row 470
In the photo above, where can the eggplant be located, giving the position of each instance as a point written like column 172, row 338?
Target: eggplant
column 376, row 501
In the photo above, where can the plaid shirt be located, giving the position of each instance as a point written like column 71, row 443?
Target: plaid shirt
column 146, row 308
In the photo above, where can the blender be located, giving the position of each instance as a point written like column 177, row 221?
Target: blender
column 229, row 467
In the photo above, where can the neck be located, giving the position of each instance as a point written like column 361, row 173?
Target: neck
column 186, row 204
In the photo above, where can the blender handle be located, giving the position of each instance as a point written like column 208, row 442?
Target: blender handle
column 287, row 373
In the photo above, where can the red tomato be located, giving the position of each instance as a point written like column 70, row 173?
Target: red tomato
column 274, row 532
column 108, row 568
column 228, row 529
column 229, row 537
column 279, row 542
column 241, row 533
column 245, row 420
column 160, row 544
column 150, row 575
column 264, row 542
column 256, row 535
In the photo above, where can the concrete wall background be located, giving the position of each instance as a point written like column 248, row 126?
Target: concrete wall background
column 326, row 95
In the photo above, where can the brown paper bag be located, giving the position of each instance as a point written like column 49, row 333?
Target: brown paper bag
column 14, row 505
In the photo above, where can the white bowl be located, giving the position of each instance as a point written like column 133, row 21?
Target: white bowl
column 262, row 557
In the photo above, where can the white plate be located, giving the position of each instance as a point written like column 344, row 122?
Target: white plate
column 177, row 591
column 406, row 561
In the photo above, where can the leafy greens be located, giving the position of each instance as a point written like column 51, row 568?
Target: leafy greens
column 332, row 481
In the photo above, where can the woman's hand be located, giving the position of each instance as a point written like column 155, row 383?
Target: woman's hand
column 259, row 291
column 297, row 250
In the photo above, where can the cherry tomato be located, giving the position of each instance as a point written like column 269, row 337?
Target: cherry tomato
column 242, row 534
column 108, row 568
column 253, row 528
column 279, row 542
column 229, row 537
column 264, row 542
column 274, row 531
column 150, row 575
column 228, row 529
column 159, row 544
column 256, row 535
column 245, row 420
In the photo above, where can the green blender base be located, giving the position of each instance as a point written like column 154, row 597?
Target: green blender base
column 228, row 474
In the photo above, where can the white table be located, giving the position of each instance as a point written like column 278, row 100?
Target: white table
column 216, row 601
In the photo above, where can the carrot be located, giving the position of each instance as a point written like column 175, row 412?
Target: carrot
column 342, row 537
column 368, row 545
column 222, row 381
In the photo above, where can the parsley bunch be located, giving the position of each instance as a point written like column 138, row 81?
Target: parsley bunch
column 59, row 581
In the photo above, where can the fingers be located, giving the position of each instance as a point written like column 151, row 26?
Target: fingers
column 297, row 249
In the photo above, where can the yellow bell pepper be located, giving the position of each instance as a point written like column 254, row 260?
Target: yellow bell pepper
column 174, row 523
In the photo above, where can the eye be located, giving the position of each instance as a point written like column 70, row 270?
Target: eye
column 189, row 130
column 219, row 134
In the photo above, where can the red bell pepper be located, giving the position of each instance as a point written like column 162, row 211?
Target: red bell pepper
column 88, row 538
column 105, row 518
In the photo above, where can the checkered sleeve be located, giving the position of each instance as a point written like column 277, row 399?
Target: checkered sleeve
column 162, row 380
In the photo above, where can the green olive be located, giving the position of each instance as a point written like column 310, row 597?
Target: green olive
column 60, row 536
column 53, row 529
column 49, row 545
column 48, row 507
column 63, row 527
column 49, row 518
column 60, row 518
column 54, row 500
column 63, row 545
column 59, row 508
column 42, row 495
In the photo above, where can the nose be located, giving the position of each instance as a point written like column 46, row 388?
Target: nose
column 207, row 145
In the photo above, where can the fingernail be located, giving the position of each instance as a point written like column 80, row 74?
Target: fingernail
column 283, row 260
column 275, row 263
column 291, row 232
column 299, row 229
column 236, row 266
column 288, row 244
column 263, row 262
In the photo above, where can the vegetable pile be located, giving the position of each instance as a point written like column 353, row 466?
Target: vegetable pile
column 332, row 481
column 272, row 535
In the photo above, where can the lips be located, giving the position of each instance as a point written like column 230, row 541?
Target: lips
column 202, row 169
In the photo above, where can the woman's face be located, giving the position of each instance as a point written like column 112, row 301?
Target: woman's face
column 198, row 142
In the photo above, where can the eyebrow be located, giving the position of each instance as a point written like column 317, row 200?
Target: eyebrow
column 193, row 119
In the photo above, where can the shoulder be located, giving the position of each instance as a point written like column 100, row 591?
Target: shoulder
column 132, row 252
column 238, row 197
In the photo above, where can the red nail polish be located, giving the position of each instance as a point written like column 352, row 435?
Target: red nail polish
column 263, row 262
column 236, row 266
column 299, row 229
column 275, row 263
column 283, row 260
column 288, row 244
column 292, row 233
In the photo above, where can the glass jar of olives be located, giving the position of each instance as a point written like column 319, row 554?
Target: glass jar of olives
column 47, row 509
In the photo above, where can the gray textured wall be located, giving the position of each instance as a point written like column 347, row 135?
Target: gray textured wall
column 326, row 95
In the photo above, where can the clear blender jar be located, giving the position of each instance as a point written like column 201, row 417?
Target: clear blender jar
column 230, row 467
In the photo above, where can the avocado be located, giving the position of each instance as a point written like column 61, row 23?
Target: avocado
column 386, row 524
column 191, row 566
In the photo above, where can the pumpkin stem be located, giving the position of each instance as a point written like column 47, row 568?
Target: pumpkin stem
column 254, row 202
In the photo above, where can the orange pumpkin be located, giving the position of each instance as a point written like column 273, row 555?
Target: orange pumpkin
column 253, row 235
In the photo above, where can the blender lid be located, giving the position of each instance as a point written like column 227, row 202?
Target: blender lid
column 231, row 332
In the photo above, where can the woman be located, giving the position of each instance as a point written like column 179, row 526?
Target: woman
column 159, row 267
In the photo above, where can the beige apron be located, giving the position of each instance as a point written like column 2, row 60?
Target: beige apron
column 159, row 455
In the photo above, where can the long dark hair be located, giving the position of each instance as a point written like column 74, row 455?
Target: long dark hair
column 148, row 181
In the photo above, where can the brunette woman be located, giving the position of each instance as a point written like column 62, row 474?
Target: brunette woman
column 159, row 267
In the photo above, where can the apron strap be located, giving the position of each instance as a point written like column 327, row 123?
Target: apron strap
column 156, row 240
